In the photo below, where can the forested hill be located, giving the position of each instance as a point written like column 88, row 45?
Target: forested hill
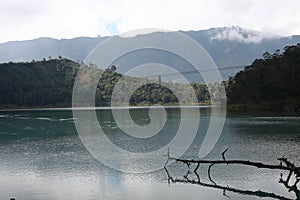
column 38, row 83
column 49, row 83
column 271, row 83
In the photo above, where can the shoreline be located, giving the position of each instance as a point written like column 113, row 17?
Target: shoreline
column 101, row 108
column 230, row 109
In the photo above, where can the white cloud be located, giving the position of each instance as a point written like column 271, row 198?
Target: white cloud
column 236, row 33
column 71, row 18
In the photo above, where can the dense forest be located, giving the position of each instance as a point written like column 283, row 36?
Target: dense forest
column 270, row 83
column 38, row 83
column 49, row 83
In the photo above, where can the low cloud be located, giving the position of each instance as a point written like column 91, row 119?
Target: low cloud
column 236, row 33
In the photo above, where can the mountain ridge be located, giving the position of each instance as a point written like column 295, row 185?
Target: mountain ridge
column 228, row 46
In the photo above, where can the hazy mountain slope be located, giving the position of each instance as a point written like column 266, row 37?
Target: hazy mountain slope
column 37, row 49
column 228, row 46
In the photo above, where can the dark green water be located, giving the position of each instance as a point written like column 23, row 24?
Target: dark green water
column 42, row 157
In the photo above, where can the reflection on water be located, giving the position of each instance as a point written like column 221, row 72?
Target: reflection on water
column 42, row 157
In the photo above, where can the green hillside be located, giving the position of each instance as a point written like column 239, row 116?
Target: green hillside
column 50, row 84
column 271, row 83
column 37, row 84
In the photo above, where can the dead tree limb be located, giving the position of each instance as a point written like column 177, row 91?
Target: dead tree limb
column 287, row 167
column 208, row 172
column 284, row 165
column 293, row 187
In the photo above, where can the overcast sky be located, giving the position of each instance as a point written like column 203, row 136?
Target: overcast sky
column 28, row 19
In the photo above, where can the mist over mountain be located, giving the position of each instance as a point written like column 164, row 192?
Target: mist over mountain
column 228, row 46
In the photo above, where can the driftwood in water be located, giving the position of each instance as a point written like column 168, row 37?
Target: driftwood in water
column 283, row 165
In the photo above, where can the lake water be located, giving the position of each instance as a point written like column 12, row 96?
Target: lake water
column 42, row 157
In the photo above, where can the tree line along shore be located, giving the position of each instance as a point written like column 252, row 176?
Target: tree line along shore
column 269, row 83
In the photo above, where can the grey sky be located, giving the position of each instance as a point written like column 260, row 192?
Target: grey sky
column 28, row 19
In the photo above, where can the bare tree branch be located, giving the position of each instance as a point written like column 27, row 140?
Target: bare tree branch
column 223, row 154
column 287, row 167
column 284, row 165
column 208, row 172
